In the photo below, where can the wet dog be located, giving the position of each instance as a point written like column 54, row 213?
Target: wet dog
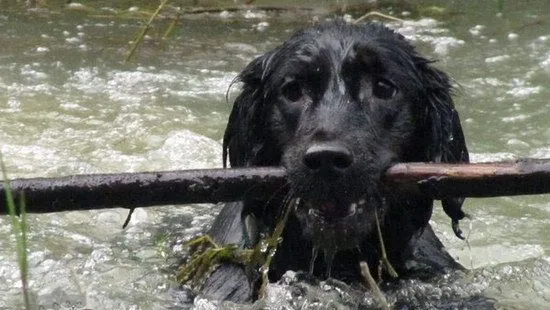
column 336, row 105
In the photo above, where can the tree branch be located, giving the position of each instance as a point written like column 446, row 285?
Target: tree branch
column 132, row 190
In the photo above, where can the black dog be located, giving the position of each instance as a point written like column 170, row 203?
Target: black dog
column 336, row 105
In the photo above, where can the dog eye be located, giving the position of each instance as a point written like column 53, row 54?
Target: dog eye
column 383, row 89
column 292, row 91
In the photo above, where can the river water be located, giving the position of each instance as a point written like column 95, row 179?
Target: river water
column 71, row 105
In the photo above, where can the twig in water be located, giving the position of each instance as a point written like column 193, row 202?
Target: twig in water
column 273, row 243
column 171, row 26
column 128, row 218
column 144, row 30
column 377, row 14
column 378, row 294
column 389, row 268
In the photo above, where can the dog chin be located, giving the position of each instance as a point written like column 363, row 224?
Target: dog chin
column 336, row 226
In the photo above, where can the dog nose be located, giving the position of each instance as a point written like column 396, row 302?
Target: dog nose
column 329, row 157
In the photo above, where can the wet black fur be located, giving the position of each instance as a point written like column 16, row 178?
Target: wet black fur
column 362, row 87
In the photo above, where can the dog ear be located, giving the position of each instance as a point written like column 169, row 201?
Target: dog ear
column 447, row 143
column 246, row 138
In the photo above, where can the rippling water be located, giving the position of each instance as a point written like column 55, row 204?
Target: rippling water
column 70, row 105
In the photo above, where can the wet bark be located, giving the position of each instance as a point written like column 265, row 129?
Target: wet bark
column 522, row 177
column 132, row 190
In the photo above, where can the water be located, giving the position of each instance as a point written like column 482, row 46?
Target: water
column 70, row 105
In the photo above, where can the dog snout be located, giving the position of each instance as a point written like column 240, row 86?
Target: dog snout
column 328, row 157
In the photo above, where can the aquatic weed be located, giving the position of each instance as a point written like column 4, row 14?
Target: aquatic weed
column 19, row 230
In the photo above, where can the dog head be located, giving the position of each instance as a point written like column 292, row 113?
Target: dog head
column 336, row 105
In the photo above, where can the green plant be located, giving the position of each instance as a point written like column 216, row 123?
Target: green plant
column 19, row 230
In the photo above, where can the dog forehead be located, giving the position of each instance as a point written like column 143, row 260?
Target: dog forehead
column 323, row 46
column 328, row 51
column 335, row 48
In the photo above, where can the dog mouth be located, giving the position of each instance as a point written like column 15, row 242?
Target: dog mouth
column 346, row 218
column 329, row 212
column 334, row 225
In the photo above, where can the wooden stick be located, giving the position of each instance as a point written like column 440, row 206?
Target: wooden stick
column 132, row 190
column 522, row 177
